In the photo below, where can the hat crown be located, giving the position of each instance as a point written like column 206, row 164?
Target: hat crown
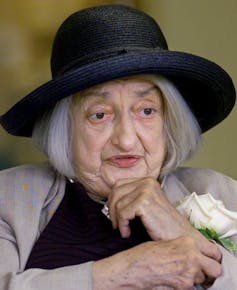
column 99, row 32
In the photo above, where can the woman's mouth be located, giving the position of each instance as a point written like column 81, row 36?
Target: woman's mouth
column 124, row 161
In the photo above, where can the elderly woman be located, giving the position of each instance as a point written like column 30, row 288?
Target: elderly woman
column 119, row 116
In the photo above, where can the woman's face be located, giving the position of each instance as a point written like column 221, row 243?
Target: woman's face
column 117, row 133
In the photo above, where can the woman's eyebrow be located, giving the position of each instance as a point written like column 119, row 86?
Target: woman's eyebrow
column 95, row 94
column 105, row 94
column 142, row 93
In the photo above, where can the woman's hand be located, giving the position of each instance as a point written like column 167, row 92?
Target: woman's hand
column 181, row 254
column 177, row 264
column 145, row 199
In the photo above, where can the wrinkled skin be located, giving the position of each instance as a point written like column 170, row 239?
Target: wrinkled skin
column 178, row 257
column 117, row 133
column 118, row 147
column 178, row 264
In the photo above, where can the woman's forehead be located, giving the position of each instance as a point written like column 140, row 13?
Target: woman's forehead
column 136, row 84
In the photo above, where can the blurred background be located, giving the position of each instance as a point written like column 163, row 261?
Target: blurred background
column 27, row 28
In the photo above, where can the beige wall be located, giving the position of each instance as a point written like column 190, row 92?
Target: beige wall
column 207, row 28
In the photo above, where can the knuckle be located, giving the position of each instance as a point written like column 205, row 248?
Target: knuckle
column 122, row 215
column 149, row 181
column 148, row 189
column 188, row 240
column 218, row 271
column 112, row 196
column 183, row 283
column 118, row 205
column 117, row 183
column 188, row 285
column 143, row 201
column 191, row 258
column 214, row 250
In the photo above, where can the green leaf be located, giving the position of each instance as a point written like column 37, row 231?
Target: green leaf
column 211, row 234
column 205, row 233
column 228, row 244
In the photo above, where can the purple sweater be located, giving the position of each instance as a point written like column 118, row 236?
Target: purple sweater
column 78, row 232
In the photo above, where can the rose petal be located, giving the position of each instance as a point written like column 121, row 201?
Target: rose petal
column 205, row 211
column 194, row 211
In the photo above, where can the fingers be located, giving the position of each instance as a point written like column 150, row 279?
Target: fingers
column 211, row 268
column 122, row 213
column 126, row 209
column 184, row 264
column 212, row 250
column 145, row 199
column 138, row 198
column 210, row 271
column 177, row 264
column 203, row 268
column 208, row 248
column 118, row 205
column 163, row 288
column 181, row 264
column 122, row 196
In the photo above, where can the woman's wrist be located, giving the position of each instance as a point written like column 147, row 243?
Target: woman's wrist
column 124, row 270
column 110, row 273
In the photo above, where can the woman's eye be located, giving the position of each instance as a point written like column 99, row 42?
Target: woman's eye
column 147, row 112
column 98, row 116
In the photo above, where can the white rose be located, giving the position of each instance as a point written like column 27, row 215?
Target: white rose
column 204, row 211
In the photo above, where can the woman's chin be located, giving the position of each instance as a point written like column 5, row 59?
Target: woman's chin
column 112, row 175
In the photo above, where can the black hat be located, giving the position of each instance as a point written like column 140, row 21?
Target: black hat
column 106, row 42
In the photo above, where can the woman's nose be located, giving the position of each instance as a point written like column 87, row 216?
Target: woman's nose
column 124, row 133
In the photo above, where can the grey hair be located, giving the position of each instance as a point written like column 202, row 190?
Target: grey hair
column 52, row 133
column 183, row 133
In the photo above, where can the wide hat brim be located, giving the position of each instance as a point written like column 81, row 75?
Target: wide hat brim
column 205, row 86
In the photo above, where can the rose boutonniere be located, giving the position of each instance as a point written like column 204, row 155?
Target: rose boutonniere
column 211, row 218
